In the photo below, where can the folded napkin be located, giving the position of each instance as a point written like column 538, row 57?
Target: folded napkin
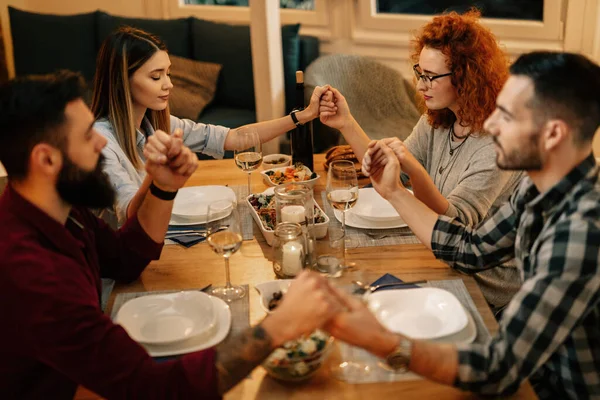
column 389, row 278
column 186, row 240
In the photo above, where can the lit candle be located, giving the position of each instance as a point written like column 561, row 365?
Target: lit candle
column 292, row 214
column 292, row 258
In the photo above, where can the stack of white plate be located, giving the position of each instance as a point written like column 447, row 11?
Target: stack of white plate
column 425, row 313
column 175, row 323
column 371, row 211
column 191, row 204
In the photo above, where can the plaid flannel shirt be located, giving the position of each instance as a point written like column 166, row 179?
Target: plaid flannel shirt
column 550, row 331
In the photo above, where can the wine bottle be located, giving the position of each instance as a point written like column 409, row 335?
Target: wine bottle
column 301, row 137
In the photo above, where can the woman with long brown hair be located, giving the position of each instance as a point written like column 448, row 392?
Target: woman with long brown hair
column 130, row 102
column 449, row 159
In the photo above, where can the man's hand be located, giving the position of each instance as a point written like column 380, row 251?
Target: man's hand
column 382, row 166
column 308, row 305
column 359, row 327
column 334, row 110
column 168, row 161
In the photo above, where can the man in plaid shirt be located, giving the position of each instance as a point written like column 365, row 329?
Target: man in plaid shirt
column 544, row 122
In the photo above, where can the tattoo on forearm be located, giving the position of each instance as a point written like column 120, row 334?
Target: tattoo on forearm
column 241, row 355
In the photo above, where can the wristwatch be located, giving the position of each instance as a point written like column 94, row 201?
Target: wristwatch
column 162, row 194
column 294, row 118
column 399, row 359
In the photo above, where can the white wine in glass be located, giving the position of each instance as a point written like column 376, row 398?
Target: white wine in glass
column 225, row 238
column 342, row 191
column 247, row 151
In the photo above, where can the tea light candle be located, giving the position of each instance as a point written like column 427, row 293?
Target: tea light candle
column 292, row 214
column 292, row 258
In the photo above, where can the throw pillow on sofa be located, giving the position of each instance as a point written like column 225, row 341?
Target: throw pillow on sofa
column 44, row 43
column 194, row 86
column 174, row 32
column 229, row 45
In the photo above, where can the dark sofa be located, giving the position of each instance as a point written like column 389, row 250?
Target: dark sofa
column 44, row 43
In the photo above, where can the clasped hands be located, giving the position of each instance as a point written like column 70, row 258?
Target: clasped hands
column 313, row 303
column 168, row 161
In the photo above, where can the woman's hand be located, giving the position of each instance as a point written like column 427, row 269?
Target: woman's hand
column 381, row 164
column 334, row 110
column 408, row 162
column 312, row 111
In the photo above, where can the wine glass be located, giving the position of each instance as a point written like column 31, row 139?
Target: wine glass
column 342, row 191
column 247, row 151
column 354, row 366
column 225, row 238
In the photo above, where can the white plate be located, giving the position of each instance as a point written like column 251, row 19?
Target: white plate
column 266, row 290
column 269, row 182
column 371, row 206
column 191, row 203
column 424, row 313
column 357, row 222
column 465, row 336
column 198, row 343
column 167, row 318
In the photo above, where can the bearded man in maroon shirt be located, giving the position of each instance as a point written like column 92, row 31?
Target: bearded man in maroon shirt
column 53, row 253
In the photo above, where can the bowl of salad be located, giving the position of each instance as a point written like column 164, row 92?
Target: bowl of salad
column 265, row 215
column 276, row 161
column 298, row 359
column 296, row 173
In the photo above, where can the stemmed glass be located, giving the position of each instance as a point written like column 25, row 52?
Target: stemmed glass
column 247, row 151
column 225, row 238
column 342, row 191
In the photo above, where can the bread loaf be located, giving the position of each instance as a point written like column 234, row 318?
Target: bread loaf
column 343, row 152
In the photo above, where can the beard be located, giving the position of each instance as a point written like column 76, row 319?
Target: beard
column 526, row 157
column 79, row 187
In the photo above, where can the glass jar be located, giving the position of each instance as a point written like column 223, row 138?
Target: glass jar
column 288, row 250
column 294, row 204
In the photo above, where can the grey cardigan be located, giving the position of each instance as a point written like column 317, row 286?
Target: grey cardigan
column 474, row 187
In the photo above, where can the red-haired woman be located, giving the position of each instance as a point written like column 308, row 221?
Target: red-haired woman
column 450, row 160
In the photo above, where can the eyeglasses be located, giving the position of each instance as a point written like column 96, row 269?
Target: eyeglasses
column 427, row 80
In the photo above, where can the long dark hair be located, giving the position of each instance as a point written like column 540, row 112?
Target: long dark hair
column 121, row 54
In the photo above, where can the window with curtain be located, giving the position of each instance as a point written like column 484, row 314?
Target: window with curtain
column 292, row 4
column 532, row 10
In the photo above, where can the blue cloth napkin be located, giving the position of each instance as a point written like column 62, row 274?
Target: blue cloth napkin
column 187, row 241
column 389, row 278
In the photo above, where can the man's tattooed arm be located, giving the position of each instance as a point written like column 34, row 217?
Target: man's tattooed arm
column 236, row 359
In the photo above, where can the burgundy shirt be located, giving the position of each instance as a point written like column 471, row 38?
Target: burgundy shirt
column 53, row 335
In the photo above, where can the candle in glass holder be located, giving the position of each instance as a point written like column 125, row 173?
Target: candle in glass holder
column 292, row 260
column 293, row 214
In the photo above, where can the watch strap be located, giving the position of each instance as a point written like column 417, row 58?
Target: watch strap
column 294, row 118
column 399, row 359
column 162, row 194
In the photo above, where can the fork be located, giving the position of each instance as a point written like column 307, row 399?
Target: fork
column 379, row 235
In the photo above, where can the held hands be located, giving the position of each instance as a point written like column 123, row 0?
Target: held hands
column 381, row 164
column 315, row 98
column 408, row 162
column 308, row 305
column 312, row 303
column 334, row 110
column 168, row 161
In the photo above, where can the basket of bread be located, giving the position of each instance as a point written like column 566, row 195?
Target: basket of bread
column 343, row 152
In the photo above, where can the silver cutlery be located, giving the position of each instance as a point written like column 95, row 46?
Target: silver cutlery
column 365, row 286
column 191, row 232
column 381, row 235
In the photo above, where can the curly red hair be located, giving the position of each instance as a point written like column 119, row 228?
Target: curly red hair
column 479, row 67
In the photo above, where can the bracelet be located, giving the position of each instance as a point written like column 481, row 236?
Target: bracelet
column 294, row 118
column 161, row 194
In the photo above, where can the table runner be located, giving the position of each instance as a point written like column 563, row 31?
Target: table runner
column 240, row 310
column 396, row 235
column 378, row 374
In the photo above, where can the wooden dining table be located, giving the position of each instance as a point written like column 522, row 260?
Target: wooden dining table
column 182, row 268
